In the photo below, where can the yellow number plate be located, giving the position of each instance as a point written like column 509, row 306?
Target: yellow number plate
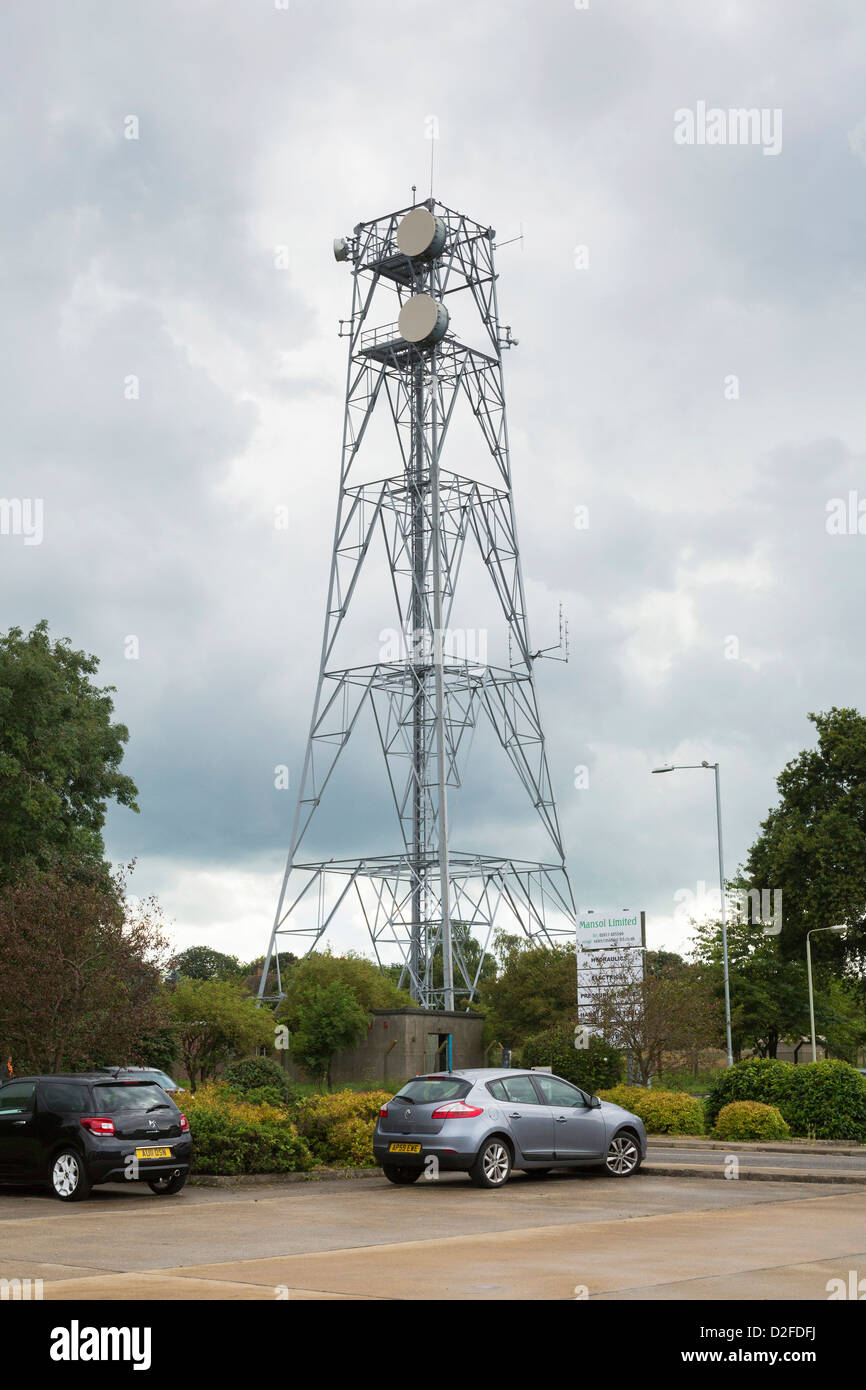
column 153, row 1153
column 404, row 1148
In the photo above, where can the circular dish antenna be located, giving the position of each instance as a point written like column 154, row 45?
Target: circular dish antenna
column 423, row 320
column 341, row 249
column 421, row 234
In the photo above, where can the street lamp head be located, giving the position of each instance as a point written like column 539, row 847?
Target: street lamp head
column 814, row 930
column 666, row 768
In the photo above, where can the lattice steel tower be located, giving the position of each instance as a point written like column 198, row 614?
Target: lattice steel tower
column 421, row 902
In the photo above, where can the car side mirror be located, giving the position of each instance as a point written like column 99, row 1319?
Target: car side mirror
column 594, row 1103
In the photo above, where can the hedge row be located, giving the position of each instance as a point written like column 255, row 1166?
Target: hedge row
column 760, row 1099
column 818, row 1100
column 256, row 1125
column 339, row 1127
column 233, row 1134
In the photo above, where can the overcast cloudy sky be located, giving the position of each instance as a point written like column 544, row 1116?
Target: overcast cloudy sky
column 693, row 377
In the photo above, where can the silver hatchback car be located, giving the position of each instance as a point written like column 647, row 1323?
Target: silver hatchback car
column 486, row 1122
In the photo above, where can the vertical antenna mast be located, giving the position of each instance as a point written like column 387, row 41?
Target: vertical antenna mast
column 424, row 902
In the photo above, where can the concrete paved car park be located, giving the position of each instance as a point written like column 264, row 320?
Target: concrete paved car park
column 571, row 1235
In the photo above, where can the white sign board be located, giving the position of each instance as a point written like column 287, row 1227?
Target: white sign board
column 603, row 962
column 607, row 958
column 597, row 929
column 599, row 972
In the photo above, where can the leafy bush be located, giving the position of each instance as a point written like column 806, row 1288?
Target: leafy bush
column 827, row 1101
column 818, row 1100
column 352, row 1142
column 750, row 1119
column 269, row 1095
column 591, row 1067
column 626, row 1096
column 255, row 1072
column 663, row 1112
column 233, row 1136
column 338, row 1126
column 671, row 1112
column 758, row 1078
column 252, row 1136
column 685, row 1079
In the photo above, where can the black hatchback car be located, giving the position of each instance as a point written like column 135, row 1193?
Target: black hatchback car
column 75, row 1131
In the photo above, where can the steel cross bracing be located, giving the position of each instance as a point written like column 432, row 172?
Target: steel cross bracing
column 419, row 903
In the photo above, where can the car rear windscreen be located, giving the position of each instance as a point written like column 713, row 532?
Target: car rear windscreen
column 423, row 1090
column 130, row 1095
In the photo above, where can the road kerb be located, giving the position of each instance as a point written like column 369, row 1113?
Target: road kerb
column 781, row 1146
column 717, row 1170
column 280, row 1179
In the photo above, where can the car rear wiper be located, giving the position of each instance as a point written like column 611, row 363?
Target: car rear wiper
column 157, row 1107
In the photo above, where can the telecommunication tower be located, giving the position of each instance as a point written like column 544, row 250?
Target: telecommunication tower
column 421, row 902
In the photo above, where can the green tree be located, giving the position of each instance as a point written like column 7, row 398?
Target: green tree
column 812, row 845
column 215, row 1023
column 839, row 1017
column 769, row 993
column 80, row 983
column 156, row 1047
column 535, row 989
column 370, row 986
column 668, row 963
column 670, row 1008
column 204, row 963
column 769, row 1000
column 329, row 1019
column 60, row 753
column 594, row 1067
column 319, row 989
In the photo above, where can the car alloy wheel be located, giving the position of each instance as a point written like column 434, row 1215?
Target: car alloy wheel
column 492, row 1167
column 623, row 1156
column 68, row 1178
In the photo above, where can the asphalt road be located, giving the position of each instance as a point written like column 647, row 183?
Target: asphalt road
column 824, row 1163
column 579, row 1235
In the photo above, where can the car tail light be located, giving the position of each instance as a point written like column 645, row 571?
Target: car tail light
column 184, row 1125
column 98, row 1124
column 383, row 1113
column 456, row 1110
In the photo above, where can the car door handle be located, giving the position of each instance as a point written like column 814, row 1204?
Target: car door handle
column 514, row 1115
column 19, row 1122
column 561, row 1119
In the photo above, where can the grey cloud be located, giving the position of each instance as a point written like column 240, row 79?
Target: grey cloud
column 155, row 258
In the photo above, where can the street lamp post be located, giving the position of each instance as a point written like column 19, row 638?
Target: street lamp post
column 715, row 767
column 809, row 973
